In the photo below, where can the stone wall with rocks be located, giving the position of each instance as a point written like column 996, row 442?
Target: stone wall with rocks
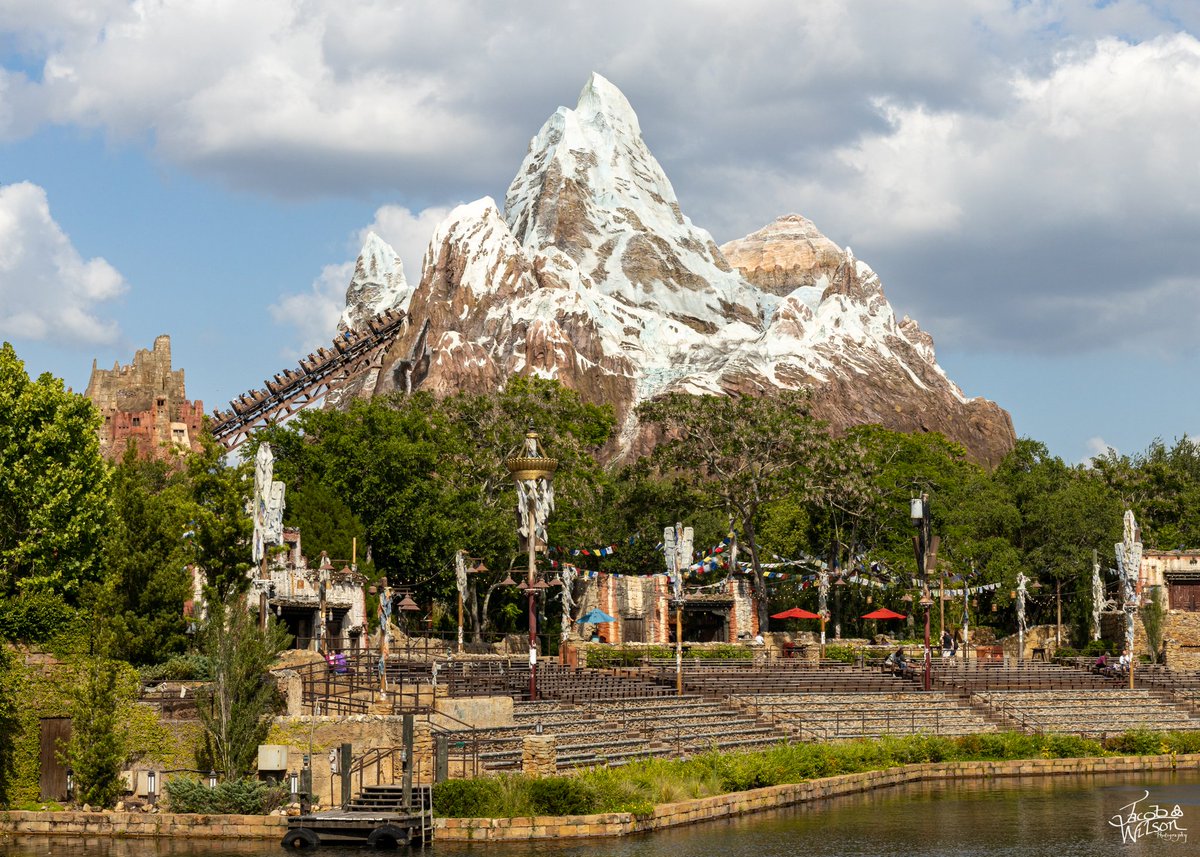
column 1182, row 636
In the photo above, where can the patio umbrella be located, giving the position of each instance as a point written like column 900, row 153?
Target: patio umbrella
column 595, row 616
column 795, row 613
column 884, row 613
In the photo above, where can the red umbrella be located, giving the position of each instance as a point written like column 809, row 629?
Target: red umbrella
column 884, row 613
column 795, row 613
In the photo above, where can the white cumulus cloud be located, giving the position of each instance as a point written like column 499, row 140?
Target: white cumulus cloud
column 1096, row 447
column 47, row 290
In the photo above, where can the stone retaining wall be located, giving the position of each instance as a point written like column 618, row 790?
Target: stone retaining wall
column 144, row 824
column 773, row 797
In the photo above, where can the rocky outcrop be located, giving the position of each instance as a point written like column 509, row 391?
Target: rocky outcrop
column 594, row 276
column 378, row 284
column 784, row 255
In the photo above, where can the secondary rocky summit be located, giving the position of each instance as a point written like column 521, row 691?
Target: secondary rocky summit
column 593, row 275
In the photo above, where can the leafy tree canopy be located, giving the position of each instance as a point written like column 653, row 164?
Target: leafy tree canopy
column 53, row 484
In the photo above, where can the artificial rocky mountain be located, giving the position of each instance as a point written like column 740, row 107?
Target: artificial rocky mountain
column 593, row 275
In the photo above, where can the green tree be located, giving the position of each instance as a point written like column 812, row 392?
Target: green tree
column 97, row 748
column 746, row 451
column 145, row 556
column 220, row 526
column 1154, row 614
column 1162, row 486
column 426, row 477
column 53, row 484
column 235, row 709
column 10, row 724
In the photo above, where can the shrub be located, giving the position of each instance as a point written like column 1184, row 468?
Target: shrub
column 1182, row 742
column 1137, row 742
column 244, row 796
column 726, row 652
column 1070, row 747
column 462, row 798
column 178, row 668
column 560, row 796
column 846, row 654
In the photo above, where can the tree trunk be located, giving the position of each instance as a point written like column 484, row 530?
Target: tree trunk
column 757, row 585
column 476, row 628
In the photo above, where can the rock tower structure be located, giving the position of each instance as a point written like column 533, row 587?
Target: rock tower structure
column 145, row 402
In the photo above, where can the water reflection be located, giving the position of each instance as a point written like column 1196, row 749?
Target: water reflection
column 1064, row 817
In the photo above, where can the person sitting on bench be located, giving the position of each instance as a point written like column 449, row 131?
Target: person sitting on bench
column 1101, row 664
column 897, row 664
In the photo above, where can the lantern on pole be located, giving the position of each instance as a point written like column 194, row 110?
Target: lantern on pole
column 533, row 473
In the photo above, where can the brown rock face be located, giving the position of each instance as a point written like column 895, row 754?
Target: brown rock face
column 788, row 253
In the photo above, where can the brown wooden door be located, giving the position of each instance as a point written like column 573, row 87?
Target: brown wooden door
column 56, row 734
column 1184, row 596
column 633, row 629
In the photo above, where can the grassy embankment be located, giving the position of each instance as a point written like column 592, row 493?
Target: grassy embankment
column 639, row 786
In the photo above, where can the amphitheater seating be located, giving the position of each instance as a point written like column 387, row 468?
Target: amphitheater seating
column 618, row 730
column 1090, row 712
column 840, row 716
column 784, row 679
column 973, row 676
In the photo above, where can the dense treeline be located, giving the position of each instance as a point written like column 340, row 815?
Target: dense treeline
column 415, row 479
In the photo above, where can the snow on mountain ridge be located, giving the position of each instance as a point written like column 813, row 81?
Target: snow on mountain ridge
column 593, row 276
column 590, row 187
column 378, row 284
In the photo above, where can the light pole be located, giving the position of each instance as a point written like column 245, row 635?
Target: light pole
column 533, row 473
column 926, row 551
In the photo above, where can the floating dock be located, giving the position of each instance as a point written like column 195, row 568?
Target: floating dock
column 379, row 817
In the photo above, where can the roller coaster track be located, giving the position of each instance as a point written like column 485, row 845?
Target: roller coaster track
column 354, row 353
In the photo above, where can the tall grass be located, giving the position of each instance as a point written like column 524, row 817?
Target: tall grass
column 639, row 786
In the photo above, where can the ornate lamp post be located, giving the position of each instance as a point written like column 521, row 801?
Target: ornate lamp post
column 926, row 550
column 533, row 473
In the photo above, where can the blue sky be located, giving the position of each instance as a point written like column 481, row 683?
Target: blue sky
column 1022, row 175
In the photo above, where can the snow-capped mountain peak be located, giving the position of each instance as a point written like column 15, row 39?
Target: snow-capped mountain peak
column 378, row 284
column 594, row 276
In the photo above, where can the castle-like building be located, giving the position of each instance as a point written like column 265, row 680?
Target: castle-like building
column 145, row 402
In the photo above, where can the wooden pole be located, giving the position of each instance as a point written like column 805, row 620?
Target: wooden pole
column 1058, row 605
column 460, row 623
column 679, row 650
column 262, row 595
column 532, row 592
column 941, row 604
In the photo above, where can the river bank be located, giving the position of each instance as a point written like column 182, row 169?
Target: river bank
column 664, row 816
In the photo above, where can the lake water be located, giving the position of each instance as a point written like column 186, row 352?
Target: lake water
column 1059, row 817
